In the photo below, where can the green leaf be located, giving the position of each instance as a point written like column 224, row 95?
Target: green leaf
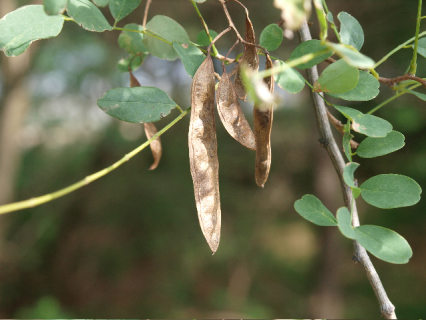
column 351, row 32
column 421, row 47
column 191, row 56
column 347, row 137
column 338, row 77
column 383, row 243
column 290, row 80
column 348, row 176
column 271, row 37
column 132, row 41
column 376, row 147
column 25, row 25
column 101, row 3
column 366, row 89
column 203, row 38
column 321, row 19
column 137, row 104
column 418, row 94
column 345, row 224
column 390, row 191
column 135, row 63
column 168, row 29
column 307, row 47
column 367, row 124
column 351, row 56
column 121, row 8
column 330, row 17
column 87, row 15
column 54, row 7
column 312, row 209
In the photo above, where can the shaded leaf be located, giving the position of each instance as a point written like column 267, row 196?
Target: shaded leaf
column 312, row 209
column 307, row 47
column 136, row 105
column 271, row 37
column 421, row 47
column 338, row 77
column 54, row 7
column 132, row 61
column 87, row 15
column 352, row 56
column 21, row 27
column 168, row 29
column 383, row 243
column 376, row 147
column 330, row 17
column 351, row 32
column 348, row 176
column 418, row 94
column 101, row 3
column 365, row 123
column 345, row 224
column 366, row 89
column 290, row 80
column 390, row 191
column 191, row 56
column 121, row 8
column 203, row 38
column 132, row 41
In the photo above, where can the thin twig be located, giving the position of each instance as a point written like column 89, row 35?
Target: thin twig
column 145, row 15
column 340, row 127
column 386, row 307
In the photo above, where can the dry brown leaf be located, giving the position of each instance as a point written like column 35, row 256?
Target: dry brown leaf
column 262, row 116
column 203, row 153
column 249, row 59
column 150, row 131
column 231, row 114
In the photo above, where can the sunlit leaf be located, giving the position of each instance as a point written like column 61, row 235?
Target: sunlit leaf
column 376, row 147
column 137, row 104
column 345, row 224
column 352, row 56
column 390, row 191
column 121, row 8
column 348, row 176
column 312, row 209
column 21, row 27
column 191, row 56
column 350, row 30
column 338, row 77
column 290, row 80
column 101, row 3
column 54, row 7
column 366, row 89
column 87, row 15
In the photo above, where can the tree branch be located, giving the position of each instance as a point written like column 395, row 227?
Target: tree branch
column 387, row 309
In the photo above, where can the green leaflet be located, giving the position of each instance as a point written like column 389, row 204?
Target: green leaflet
column 290, row 80
column 132, row 41
column 312, row 209
column 168, row 29
column 121, row 8
column 101, row 3
column 365, row 123
column 310, row 46
column 54, row 7
column 87, row 15
column 351, row 56
column 376, row 147
column 271, row 37
column 366, row 89
column 345, row 224
column 134, row 62
column 351, row 32
column 388, row 191
column 348, row 176
column 25, row 25
column 191, row 56
column 203, row 39
column 137, row 104
column 338, row 77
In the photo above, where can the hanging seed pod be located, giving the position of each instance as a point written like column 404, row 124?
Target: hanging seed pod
column 150, row 131
column 249, row 59
column 231, row 115
column 203, row 153
column 262, row 116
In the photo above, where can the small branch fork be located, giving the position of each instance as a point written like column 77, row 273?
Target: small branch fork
column 387, row 309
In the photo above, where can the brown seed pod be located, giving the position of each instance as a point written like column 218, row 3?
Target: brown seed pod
column 150, row 131
column 250, row 59
column 262, row 116
column 231, row 115
column 203, row 153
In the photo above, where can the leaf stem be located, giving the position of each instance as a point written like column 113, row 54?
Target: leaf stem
column 413, row 64
column 60, row 193
column 333, row 26
column 206, row 28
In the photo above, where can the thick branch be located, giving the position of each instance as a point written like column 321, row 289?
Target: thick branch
column 386, row 307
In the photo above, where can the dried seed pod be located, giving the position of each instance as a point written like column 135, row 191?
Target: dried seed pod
column 231, row 115
column 150, row 131
column 250, row 59
column 203, row 153
column 262, row 116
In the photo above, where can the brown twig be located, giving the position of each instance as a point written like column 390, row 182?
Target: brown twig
column 217, row 38
column 340, row 127
column 145, row 15
column 387, row 309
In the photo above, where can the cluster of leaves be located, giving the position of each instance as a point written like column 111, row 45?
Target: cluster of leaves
column 167, row 39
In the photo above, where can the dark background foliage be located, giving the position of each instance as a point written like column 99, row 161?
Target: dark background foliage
column 129, row 245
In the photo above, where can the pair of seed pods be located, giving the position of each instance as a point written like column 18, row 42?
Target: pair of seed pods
column 203, row 143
